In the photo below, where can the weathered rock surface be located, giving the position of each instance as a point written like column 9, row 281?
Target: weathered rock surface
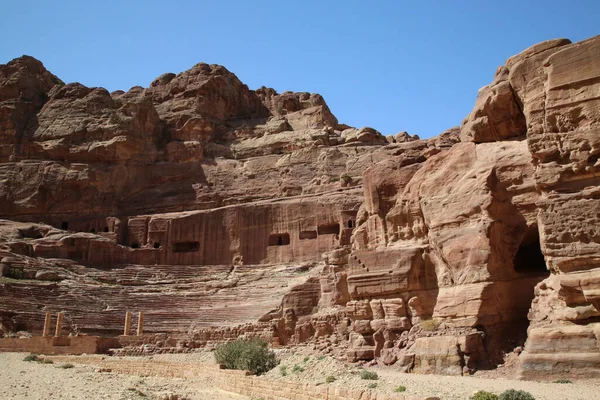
column 222, row 212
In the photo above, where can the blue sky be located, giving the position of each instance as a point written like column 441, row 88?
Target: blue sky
column 392, row 65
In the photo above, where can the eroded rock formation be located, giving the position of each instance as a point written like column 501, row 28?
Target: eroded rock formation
column 222, row 212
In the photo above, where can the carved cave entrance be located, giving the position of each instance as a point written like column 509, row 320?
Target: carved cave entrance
column 279, row 239
column 304, row 235
column 529, row 258
column 329, row 229
column 185, row 247
column 530, row 268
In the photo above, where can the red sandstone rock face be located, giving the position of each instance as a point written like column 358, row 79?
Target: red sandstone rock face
column 180, row 187
column 24, row 88
column 223, row 212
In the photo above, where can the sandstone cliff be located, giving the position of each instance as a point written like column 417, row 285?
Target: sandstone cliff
column 221, row 212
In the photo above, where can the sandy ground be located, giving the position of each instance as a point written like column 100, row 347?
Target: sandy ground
column 34, row 381
column 317, row 369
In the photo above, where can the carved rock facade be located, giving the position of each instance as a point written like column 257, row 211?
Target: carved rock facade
column 222, row 212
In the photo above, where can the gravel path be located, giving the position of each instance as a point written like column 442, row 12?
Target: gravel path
column 22, row 380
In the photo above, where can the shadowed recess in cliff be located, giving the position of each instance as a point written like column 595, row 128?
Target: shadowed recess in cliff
column 529, row 258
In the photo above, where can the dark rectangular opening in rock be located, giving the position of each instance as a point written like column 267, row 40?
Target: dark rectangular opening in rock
column 186, row 247
column 308, row 235
column 279, row 239
column 329, row 229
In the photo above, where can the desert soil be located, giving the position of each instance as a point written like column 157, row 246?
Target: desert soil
column 31, row 380
column 35, row 381
column 310, row 368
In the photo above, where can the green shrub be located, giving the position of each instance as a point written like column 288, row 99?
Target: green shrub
column 513, row 394
column 346, row 178
column 283, row 370
column 483, row 395
column 66, row 366
column 372, row 385
column 306, row 359
column 297, row 368
column 15, row 273
column 368, row 375
column 321, row 358
column 251, row 355
column 562, row 381
column 330, row 379
column 430, row 324
column 400, row 389
column 31, row 357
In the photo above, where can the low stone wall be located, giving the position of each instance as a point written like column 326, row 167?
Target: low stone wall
column 240, row 382
column 51, row 345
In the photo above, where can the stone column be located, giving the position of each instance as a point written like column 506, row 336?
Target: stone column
column 59, row 320
column 47, row 325
column 127, row 324
column 140, row 327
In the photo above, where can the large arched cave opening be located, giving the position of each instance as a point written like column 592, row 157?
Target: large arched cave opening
column 513, row 293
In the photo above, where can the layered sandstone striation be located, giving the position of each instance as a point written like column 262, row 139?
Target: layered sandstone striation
column 221, row 211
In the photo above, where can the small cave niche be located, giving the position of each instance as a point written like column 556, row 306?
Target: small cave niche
column 64, row 226
column 304, row 235
column 279, row 239
column 529, row 258
column 156, row 245
column 135, row 245
column 351, row 223
column 32, row 232
column 185, row 247
column 106, row 229
column 329, row 229
column 92, row 230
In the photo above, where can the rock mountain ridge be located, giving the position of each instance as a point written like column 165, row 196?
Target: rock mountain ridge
column 222, row 212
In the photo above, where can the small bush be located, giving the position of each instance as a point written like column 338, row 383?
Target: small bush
column 31, row 357
column 297, row 368
column 283, row 370
column 483, row 395
column 321, row 358
column 330, row 379
column 66, row 366
column 372, row 385
column 306, row 359
column 252, row 355
column 346, row 178
column 15, row 273
column 562, row 381
column 430, row 324
column 400, row 389
column 513, row 394
column 368, row 375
